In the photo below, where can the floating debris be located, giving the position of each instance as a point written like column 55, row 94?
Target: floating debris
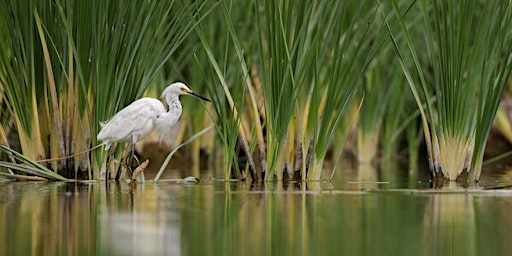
column 190, row 179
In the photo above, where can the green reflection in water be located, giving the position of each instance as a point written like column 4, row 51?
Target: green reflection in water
column 48, row 219
column 238, row 219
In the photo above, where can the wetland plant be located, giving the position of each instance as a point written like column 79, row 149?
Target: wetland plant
column 289, row 80
column 466, row 67
column 67, row 65
column 298, row 80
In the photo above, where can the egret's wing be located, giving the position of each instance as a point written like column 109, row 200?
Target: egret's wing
column 131, row 120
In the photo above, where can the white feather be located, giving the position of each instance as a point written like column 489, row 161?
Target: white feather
column 140, row 118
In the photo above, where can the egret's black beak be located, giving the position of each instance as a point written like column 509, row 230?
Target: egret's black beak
column 199, row 96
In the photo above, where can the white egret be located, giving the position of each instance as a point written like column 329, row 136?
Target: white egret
column 136, row 121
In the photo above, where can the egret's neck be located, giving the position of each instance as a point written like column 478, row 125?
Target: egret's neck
column 174, row 103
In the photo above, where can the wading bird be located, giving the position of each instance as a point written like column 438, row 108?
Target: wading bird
column 136, row 121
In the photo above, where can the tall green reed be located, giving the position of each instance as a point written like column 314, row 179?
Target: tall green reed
column 298, row 78
column 352, row 29
column 386, row 106
column 465, row 74
column 139, row 41
column 69, row 64
column 382, row 109
column 233, row 85
column 20, row 60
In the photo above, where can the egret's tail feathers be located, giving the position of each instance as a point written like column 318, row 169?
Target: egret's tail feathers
column 101, row 136
column 106, row 141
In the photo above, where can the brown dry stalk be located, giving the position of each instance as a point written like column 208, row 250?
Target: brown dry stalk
column 51, row 83
column 255, row 113
column 140, row 169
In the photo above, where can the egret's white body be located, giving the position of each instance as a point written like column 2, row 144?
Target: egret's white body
column 133, row 123
column 140, row 118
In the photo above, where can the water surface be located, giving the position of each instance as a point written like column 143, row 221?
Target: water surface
column 219, row 218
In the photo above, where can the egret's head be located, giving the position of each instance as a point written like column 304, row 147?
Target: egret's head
column 179, row 88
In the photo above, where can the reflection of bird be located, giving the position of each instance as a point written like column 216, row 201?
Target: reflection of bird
column 139, row 119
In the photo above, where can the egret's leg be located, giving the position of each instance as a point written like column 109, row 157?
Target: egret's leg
column 135, row 156
column 134, row 140
column 129, row 159
column 132, row 156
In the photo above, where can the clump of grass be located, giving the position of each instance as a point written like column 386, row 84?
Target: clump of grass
column 350, row 44
column 382, row 109
column 467, row 77
column 66, row 66
column 298, row 79
column 283, row 76
column 33, row 170
column 228, row 89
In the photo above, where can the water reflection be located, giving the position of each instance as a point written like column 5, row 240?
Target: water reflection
column 50, row 219
column 136, row 221
column 452, row 218
column 242, row 219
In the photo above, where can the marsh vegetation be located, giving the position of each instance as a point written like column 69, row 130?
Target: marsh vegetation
column 293, row 84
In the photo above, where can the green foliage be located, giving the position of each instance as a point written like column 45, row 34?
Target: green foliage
column 304, row 67
column 229, row 92
column 27, row 166
column 101, row 56
column 287, row 78
column 467, row 77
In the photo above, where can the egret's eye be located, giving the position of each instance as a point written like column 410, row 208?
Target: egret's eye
column 184, row 90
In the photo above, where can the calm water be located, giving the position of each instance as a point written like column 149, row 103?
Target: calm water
column 217, row 218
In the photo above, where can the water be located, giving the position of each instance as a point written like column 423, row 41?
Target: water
column 217, row 218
